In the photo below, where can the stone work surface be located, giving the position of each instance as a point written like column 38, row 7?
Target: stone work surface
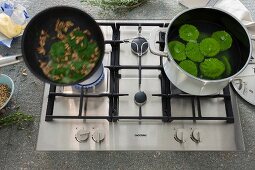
column 18, row 147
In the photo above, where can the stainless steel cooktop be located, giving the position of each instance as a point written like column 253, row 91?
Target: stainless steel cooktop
column 148, row 133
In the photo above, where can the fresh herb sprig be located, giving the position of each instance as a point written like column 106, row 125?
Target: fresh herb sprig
column 115, row 4
column 17, row 118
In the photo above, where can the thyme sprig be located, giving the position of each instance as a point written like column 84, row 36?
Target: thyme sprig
column 17, row 118
column 115, row 4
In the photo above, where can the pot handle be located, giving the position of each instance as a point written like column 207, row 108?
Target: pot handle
column 8, row 60
column 248, row 25
column 253, row 37
column 152, row 41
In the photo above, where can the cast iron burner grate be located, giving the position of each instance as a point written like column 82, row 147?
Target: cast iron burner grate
column 168, row 91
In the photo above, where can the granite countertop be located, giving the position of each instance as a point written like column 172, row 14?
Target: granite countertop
column 18, row 147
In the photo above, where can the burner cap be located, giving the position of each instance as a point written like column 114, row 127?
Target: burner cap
column 93, row 80
column 140, row 98
column 139, row 46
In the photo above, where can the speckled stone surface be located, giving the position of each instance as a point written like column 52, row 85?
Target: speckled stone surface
column 17, row 147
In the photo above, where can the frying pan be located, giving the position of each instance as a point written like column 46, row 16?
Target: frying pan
column 46, row 20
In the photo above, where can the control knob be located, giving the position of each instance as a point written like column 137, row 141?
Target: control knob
column 180, row 135
column 98, row 136
column 82, row 135
column 196, row 136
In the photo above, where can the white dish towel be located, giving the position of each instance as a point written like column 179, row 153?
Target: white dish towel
column 234, row 7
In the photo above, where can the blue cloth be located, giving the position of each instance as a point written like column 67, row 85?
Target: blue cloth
column 7, row 8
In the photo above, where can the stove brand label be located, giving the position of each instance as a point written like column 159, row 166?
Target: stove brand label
column 140, row 134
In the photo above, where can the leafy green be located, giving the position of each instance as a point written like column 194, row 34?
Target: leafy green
column 115, row 4
column 209, row 47
column 57, row 49
column 193, row 52
column 224, row 39
column 17, row 118
column 188, row 32
column 60, row 71
column 177, row 50
column 212, row 68
column 86, row 53
column 228, row 68
column 70, row 55
column 189, row 66
column 72, row 41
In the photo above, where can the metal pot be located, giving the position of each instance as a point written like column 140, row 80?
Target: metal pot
column 241, row 49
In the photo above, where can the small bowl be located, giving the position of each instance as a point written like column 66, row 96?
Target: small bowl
column 4, row 79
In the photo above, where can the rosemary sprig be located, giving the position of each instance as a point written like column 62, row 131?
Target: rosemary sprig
column 17, row 118
column 115, row 4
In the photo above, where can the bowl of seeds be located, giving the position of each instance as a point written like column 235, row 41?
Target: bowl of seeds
column 6, row 90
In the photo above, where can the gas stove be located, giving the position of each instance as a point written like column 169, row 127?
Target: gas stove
column 129, row 104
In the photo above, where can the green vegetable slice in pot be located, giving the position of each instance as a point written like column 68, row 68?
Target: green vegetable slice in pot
column 228, row 68
column 188, row 32
column 189, row 66
column 224, row 39
column 209, row 47
column 193, row 52
column 177, row 50
column 212, row 68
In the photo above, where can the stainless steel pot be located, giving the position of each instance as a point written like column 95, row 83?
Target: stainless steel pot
column 187, row 82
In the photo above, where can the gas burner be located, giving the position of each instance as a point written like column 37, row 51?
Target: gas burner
column 139, row 46
column 92, row 81
column 140, row 98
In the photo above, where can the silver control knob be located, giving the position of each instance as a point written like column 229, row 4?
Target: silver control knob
column 82, row 135
column 180, row 135
column 196, row 136
column 98, row 136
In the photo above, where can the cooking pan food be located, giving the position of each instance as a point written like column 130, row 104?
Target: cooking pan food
column 67, row 47
column 71, row 56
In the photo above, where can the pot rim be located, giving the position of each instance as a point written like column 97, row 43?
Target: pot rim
column 206, row 80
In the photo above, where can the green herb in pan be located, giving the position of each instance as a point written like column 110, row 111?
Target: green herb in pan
column 72, row 57
column 57, row 50
column 189, row 66
column 224, row 39
column 193, row 52
column 209, row 47
column 177, row 50
column 188, row 32
column 212, row 68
